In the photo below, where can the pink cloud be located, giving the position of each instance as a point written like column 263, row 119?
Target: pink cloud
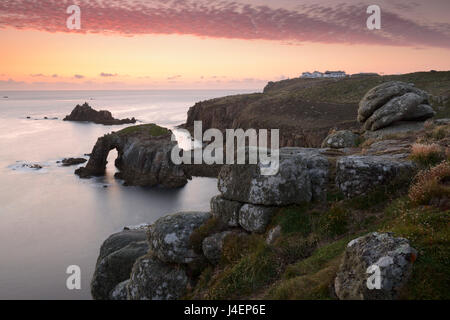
column 343, row 23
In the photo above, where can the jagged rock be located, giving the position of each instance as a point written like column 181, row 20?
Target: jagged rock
column 72, row 161
column 255, row 218
column 384, row 147
column 169, row 236
column 409, row 106
column 341, row 139
column 357, row 175
column 393, row 256
column 86, row 113
column 212, row 246
column 117, row 256
column 382, row 94
column 302, row 177
column 226, row 210
column 120, row 291
column 152, row 279
column 273, row 235
column 144, row 157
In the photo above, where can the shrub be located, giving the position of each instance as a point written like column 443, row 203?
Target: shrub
column 427, row 155
column 431, row 183
column 439, row 132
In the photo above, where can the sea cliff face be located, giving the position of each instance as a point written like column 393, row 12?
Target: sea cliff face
column 143, row 157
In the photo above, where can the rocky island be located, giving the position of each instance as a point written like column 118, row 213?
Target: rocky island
column 357, row 201
column 86, row 113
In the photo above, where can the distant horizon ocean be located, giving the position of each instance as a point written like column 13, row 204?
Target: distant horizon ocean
column 49, row 218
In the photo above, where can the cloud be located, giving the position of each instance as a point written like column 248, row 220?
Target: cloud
column 37, row 75
column 107, row 75
column 78, row 76
column 174, row 77
column 319, row 22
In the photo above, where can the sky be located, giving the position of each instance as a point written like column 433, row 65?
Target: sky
column 213, row 44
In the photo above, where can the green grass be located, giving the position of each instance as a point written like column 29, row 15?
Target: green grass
column 428, row 231
column 148, row 129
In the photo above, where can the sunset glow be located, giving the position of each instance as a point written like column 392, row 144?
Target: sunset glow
column 186, row 44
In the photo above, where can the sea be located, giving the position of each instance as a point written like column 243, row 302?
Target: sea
column 49, row 218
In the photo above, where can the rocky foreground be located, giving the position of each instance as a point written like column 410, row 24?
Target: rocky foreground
column 318, row 229
column 85, row 113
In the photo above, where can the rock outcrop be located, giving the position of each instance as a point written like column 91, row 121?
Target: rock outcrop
column 212, row 246
column 169, row 237
column 86, row 113
column 364, row 257
column 226, row 210
column 117, row 256
column 341, row 139
column 152, row 279
column 357, row 175
column 391, row 102
column 302, row 177
column 144, row 157
column 67, row 162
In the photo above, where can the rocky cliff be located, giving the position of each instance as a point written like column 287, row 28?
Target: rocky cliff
column 305, row 110
column 86, row 113
column 144, row 157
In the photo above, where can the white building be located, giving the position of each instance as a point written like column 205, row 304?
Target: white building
column 335, row 74
column 327, row 74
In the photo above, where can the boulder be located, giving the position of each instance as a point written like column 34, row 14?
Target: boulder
column 226, row 210
column 357, row 175
column 302, row 177
column 255, row 218
column 169, row 237
column 398, row 128
column 120, row 291
column 212, row 246
column 152, row 279
column 117, row 256
column 86, row 113
column 341, row 139
column 382, row 94
column 144, row 157
column 409, row 106
column 393, row 257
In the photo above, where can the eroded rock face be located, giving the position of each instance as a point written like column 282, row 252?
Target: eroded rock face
column 226, row 210
column 255, row 218
column 117, row 256
column 120, row 291
column 341, row 139
column 152, row 279
column 393, row 257
column 144, row 157
column 357, row 175
column 212, row 246
column 169, row 236
column 86, row 113
column 301, row 178
column 391, row 102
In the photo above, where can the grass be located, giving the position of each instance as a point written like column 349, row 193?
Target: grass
column 431, row 184
column 428, row 231
column 427, row 155
column 148, row 129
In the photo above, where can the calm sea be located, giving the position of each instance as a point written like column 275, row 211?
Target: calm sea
column 49, row 218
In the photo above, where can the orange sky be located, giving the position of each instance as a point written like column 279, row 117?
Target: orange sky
column 36, row 59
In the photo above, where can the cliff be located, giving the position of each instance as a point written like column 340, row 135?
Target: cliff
column 305, row 110
column 86, row 113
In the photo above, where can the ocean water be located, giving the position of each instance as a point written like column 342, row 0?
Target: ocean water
column 49, row 218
